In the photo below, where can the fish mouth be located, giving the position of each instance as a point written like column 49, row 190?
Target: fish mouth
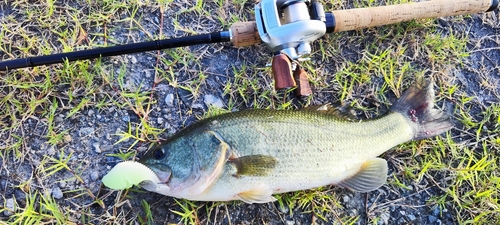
column 158, row 185
column 163, row 175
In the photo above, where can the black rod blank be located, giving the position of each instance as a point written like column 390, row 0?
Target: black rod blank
column 215, row 37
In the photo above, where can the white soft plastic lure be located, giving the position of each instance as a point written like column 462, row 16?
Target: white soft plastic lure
column 126, row 174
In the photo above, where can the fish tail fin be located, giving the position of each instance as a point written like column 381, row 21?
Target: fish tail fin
column 417, row 104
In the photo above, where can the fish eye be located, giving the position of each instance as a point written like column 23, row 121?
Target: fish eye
column 159, row 153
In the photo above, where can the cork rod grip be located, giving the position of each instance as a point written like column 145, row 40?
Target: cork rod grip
column 353, row 19
column 245, row 34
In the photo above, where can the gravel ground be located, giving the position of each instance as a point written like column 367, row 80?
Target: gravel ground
column 91, row 132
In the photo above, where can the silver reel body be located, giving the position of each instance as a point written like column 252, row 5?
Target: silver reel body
column 287, row 26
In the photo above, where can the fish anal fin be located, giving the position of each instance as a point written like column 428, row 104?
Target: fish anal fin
column 260, row 194
column 254, row 165
column 371, row 175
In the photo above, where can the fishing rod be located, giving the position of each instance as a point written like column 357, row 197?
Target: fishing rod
column 287, row 27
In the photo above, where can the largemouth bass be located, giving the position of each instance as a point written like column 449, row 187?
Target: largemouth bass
column 251, row 154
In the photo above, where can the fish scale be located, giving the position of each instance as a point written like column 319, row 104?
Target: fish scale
column 251, row 154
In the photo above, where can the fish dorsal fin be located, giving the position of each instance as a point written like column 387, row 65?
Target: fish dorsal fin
column 254, row 165
column 372, row 175
column 336, row 111
column 260, row 194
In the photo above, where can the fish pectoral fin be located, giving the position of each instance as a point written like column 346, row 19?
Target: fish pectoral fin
column 372, row 175
column 254, row 165
column 260, row 194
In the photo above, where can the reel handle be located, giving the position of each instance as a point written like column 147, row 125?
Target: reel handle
column 354, row 19
column 282, row 72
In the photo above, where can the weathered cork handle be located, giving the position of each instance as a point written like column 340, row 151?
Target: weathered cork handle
column 245, row 34
column 353, row 19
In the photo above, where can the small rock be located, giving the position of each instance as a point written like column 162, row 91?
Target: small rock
column 59, row 119
column 432, row 219
column 345, row 198
column 436, row 211
column 62, row 184
column 290, row 222
column 57, row 193
column 133, row 60
column 167, row 127
column 412, row 217
column 402, row 213
column 162, row 87
column 184, row 95
column 126, row 118
column 67, row 138
column 96, row 147
column 10, row 204
column 213, row 101
column 111, row 161
column 160, row 120
column 105, row 148
column 3, row 184
column 197, row 106
column 134, row 118
column 50, row 150
column 94, row 175
column 169, row 100
column 19, row 194
column 90, row 113
column 84, row 131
